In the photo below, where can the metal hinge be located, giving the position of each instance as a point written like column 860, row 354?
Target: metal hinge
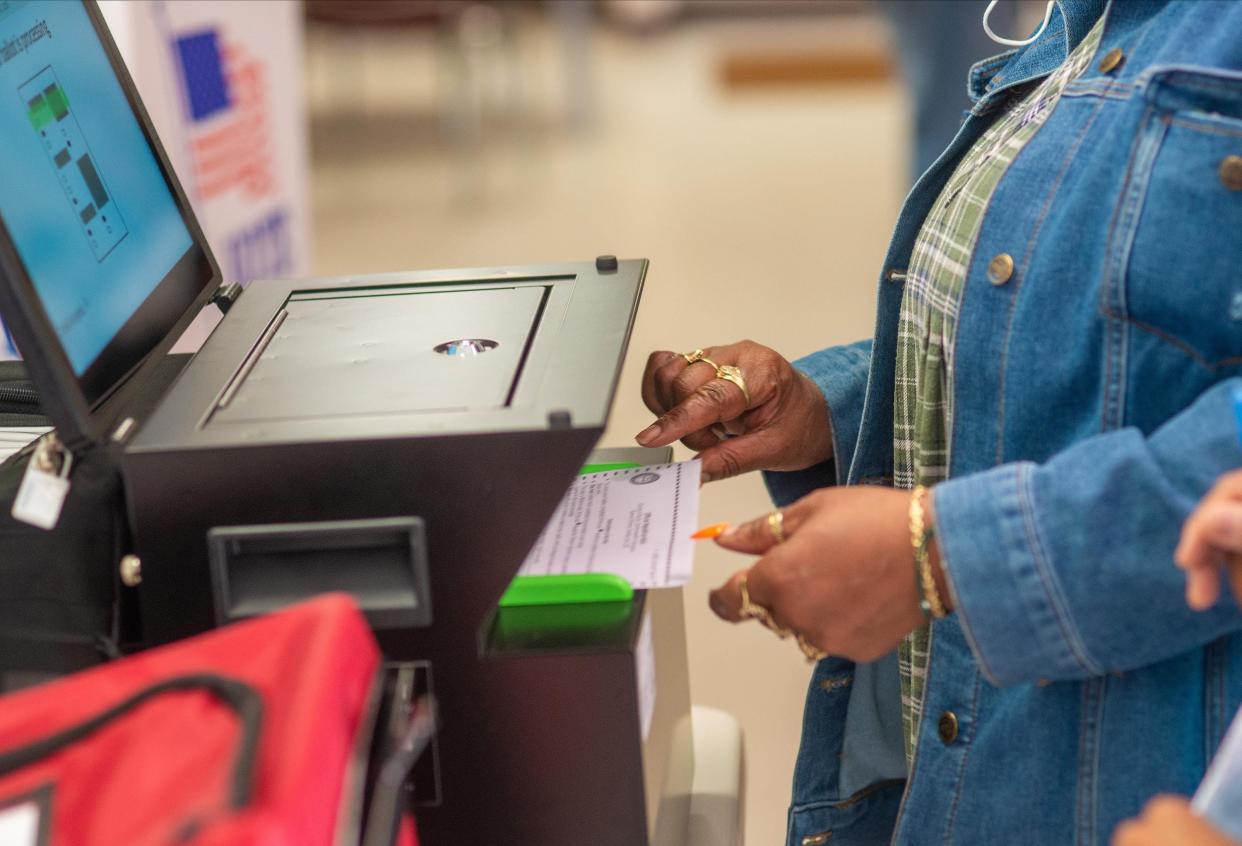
column 225, row 296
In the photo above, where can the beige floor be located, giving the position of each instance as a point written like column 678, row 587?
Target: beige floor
column 764, row 215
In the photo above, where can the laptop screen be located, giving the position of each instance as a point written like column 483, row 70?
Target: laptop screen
column 83, row 198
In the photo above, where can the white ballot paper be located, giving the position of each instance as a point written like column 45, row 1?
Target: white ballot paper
column 1219, row 797
column 635, row 523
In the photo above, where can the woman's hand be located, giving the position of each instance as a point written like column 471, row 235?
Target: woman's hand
column 1212, row 539
column 843, row 578
column 1168, row 821
column 784, row 426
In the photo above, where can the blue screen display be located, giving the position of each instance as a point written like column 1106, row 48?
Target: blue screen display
column 81, row 192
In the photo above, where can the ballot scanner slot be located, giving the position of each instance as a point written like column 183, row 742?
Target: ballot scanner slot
column 381, row 563
column 230, row 390
column 371, row 289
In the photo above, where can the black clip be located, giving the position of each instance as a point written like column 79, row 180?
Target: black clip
column 225, row 296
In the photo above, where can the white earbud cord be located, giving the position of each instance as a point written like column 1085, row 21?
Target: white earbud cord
column 1009, row 42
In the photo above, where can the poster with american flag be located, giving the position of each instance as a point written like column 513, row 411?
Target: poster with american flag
column 236, row 97
column 230, row 136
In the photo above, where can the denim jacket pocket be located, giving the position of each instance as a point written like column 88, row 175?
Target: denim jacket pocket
column 1177, row 237
column 865, row 819
column 836, row 798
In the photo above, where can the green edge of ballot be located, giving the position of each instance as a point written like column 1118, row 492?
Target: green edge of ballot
column 571, row 588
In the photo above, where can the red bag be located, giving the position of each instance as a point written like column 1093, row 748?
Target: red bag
column 254, row 734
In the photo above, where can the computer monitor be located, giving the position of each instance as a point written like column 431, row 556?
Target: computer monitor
column 100, row 256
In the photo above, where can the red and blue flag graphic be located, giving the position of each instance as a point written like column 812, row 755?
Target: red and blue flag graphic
column 226, row 93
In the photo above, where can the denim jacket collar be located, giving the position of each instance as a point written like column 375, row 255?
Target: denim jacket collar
column 1070, row 22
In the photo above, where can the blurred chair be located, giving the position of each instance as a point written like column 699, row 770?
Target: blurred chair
column 476, row 43
column 719, row 794
column 482, row 65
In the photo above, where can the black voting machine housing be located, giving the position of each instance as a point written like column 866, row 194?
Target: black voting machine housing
column 343, row 409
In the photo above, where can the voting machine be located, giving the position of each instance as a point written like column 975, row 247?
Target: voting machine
column 403, row 437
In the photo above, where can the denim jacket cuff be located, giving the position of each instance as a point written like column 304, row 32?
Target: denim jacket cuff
column 788, row 486
column 841, row 374
column 1002, row 585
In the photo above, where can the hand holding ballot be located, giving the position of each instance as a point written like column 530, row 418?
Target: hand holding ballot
column 777, row 421
column 1169, row 821
column 1212, row 541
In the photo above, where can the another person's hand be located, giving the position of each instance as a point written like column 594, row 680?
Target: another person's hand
column 784, row 426
column 1168, row 821
column 843, row 578
column 1212, row 539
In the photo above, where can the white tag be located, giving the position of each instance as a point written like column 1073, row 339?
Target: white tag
column 40, row 498
column 20, row 824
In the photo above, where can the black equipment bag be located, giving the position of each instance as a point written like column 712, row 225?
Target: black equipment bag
column 58, row 589
column 19, row 401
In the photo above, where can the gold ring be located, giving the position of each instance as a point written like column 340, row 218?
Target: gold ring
column 697, row 356
column 733, row 374
column 776, row 522
column 754, row 611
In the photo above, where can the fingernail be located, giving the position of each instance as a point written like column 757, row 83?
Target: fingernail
column 704, row 478
column 649, row 434
column 729, row 532
column 708, row 532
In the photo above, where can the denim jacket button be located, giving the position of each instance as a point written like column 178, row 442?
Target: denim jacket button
column 1112, row 60
column 1231, row 173
column 947, row 727
column 1000, row 268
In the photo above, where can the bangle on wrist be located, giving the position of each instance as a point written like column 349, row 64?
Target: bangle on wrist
column 921, row 535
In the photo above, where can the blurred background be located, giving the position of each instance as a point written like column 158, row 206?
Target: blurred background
column 756, row 151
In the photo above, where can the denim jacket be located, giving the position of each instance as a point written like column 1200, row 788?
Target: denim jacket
column 1092, row 411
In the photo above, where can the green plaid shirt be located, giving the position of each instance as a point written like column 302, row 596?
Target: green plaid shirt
column 935, row 279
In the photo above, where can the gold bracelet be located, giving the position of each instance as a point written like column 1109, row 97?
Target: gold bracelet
column 920, row 536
